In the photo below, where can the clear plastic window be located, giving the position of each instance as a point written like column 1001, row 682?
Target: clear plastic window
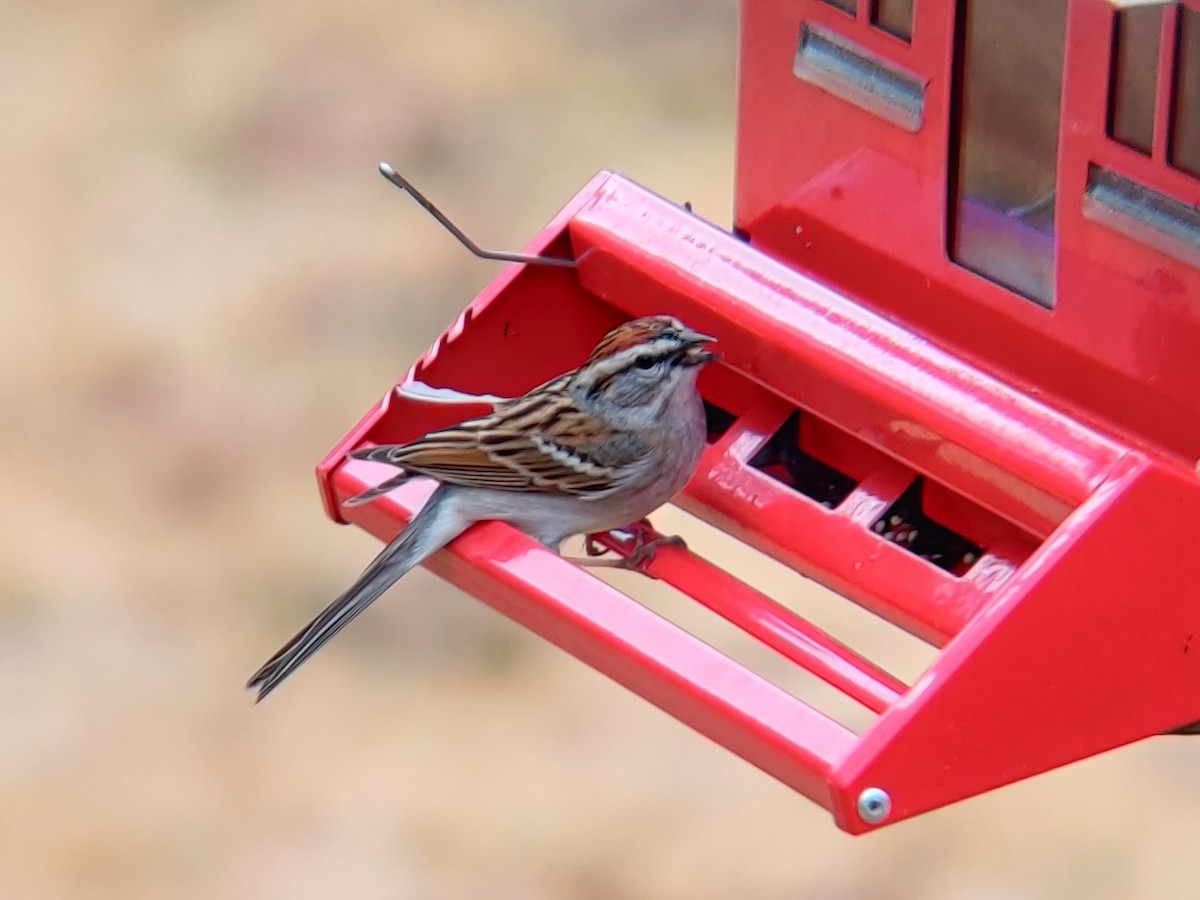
column 1137, row 36
column 894, row 17
column 1185, row 130
column 846, row 6
column 1008, row 95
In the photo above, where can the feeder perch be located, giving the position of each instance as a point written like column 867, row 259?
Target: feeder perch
column 960, row 387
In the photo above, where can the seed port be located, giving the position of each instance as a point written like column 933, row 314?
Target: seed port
column 785, row 460
column 906, row 525
column 719, row 421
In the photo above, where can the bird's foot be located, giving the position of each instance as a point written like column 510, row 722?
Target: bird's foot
column 642, row 539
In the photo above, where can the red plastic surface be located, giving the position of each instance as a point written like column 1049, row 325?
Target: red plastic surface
column 1049, row 654
column 846, row 195
column 1053, row 448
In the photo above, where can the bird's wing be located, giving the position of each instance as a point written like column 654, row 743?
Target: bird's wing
column 541, row 442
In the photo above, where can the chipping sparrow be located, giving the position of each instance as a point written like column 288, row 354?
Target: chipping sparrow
column 589, row 451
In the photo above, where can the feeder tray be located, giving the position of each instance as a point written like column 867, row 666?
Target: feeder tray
column 990, row 472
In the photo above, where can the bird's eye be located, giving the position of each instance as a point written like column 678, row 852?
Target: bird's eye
column 645, row 362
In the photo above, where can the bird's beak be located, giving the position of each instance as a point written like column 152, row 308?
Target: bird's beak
column 697, row 354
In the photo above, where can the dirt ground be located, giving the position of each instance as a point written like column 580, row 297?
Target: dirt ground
column 205, row 283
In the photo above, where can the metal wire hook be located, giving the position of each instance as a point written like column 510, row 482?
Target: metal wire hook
column 403, row 183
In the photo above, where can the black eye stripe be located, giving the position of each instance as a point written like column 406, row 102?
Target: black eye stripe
column 649, row 360
column 644, row 361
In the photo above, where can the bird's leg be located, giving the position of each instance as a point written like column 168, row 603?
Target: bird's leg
column 645, row 540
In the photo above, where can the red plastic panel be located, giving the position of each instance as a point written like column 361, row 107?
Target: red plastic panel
column 863, row 204
column 1070, row 633
column 1089, row 647
column 819, row 350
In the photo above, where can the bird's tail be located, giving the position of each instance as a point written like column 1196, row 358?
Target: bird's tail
column 378, row 491
column 434, row 526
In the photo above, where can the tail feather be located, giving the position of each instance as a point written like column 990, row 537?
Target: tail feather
column 434, row 526
column 378, row 453
column 378, row 491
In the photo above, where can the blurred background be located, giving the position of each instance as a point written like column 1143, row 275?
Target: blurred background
column 205, row 283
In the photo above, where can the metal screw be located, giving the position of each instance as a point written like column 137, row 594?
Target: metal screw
column 874, row 805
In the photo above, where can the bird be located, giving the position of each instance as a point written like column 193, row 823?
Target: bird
column 589, row 451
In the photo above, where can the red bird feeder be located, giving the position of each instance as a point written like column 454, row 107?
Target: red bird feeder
column 960, row 319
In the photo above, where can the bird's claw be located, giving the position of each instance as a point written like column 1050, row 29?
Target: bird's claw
column 644, row 554
column 592, row 546
column 646, row 542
